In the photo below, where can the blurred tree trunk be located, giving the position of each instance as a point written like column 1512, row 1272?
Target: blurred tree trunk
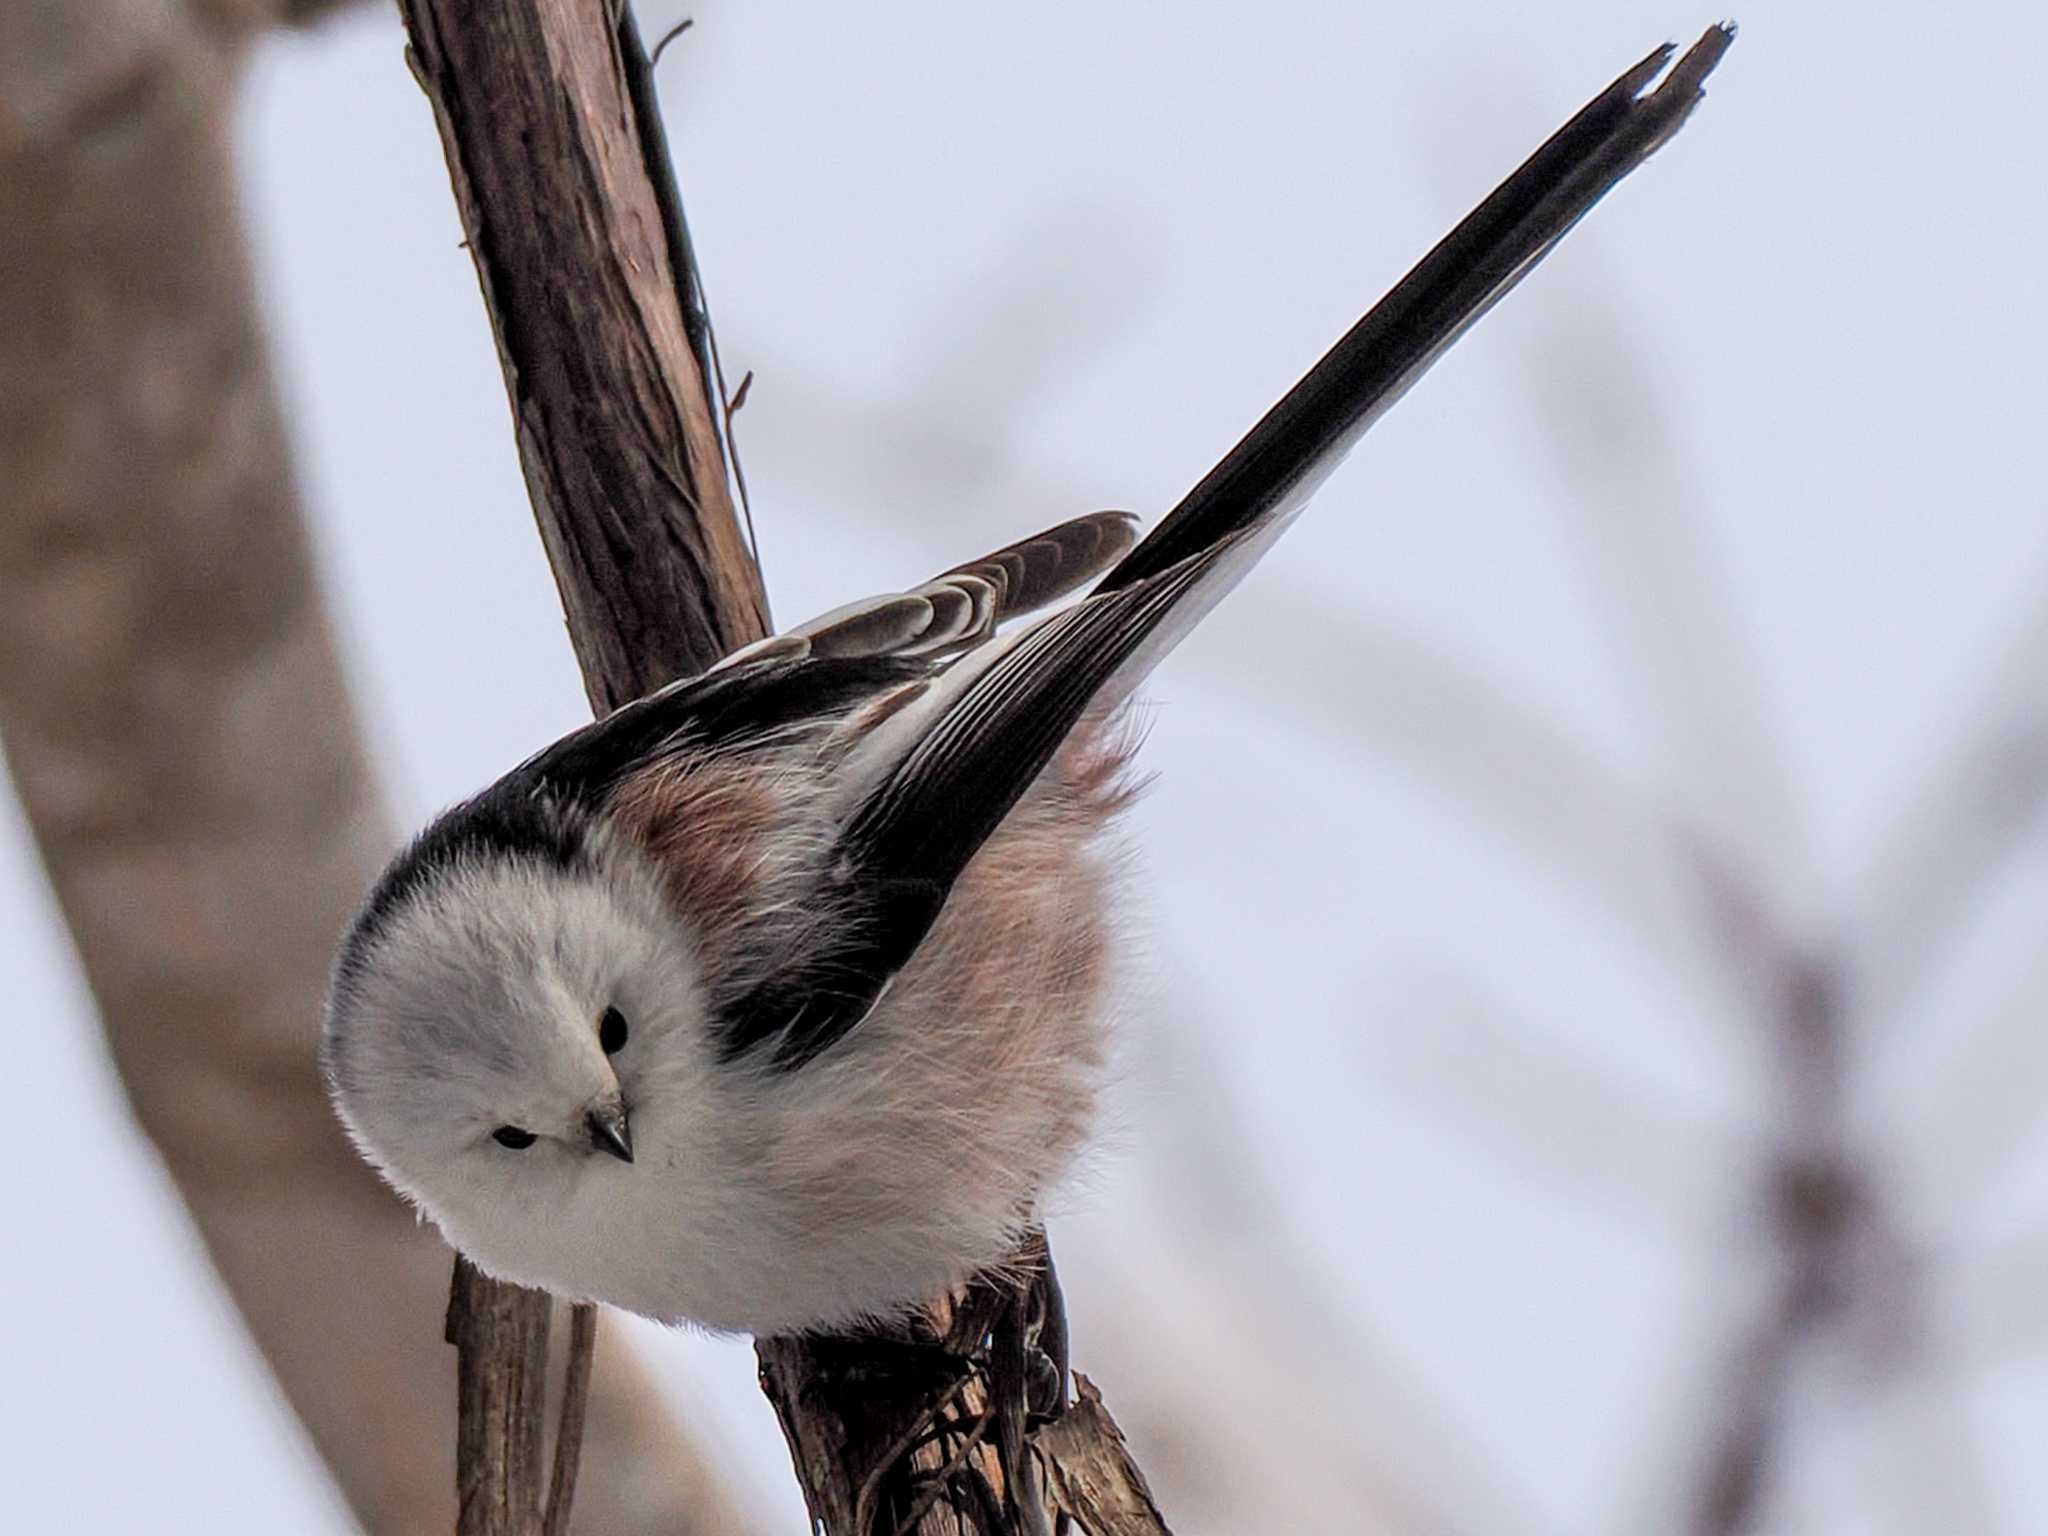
column 182, row 739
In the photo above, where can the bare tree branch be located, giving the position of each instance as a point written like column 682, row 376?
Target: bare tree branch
column 543, row 114
column 1094, row 1478
column 623, row 461
column 616, row 429
column 499, row 1332
column 575, row 1405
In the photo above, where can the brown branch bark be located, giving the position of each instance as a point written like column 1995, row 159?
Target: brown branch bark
column 622, row 456
column 577, row 247
column 615, row 425
column 1093, row 1476
column 575, row 1407
column 500, row 1333
column 184, row 746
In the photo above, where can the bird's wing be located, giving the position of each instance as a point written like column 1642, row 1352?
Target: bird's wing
column 831, row 682
column 959, row 609
column 926, row 785
column 842, row 671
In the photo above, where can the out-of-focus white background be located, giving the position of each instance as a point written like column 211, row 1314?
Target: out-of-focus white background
column 1718, row 548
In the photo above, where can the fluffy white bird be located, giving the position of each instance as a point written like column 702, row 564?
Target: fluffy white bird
column 773, row 1001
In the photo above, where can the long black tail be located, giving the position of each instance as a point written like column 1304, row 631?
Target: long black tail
column 1299, row 440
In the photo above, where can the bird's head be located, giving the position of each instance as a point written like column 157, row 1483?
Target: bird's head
column 499, row 1008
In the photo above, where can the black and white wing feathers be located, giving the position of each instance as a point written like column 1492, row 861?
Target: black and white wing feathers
column 959, row 609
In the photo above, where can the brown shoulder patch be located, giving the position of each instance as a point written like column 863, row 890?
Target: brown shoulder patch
column 708, row 826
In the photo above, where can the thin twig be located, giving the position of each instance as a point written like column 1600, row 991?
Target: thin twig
column 682, row 255
column 863, row 1504
column 548, row 196
column 732, row 447
column 500, row 1333
column 670, row 36
column 945, row 1474
column 569, row 1431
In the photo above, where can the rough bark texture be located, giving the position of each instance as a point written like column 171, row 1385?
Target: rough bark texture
column 183, row 743
column 1092, row 1469
column 499, row 1332
column 616, row 428
column 620, row 446
column 576, row 246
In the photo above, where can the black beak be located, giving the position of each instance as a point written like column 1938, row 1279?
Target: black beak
column 609, row 1130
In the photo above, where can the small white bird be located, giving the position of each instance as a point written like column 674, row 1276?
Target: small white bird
column 773, row 1001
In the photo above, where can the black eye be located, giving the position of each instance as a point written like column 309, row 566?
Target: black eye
column 611, row 1031
column 512, row 1136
